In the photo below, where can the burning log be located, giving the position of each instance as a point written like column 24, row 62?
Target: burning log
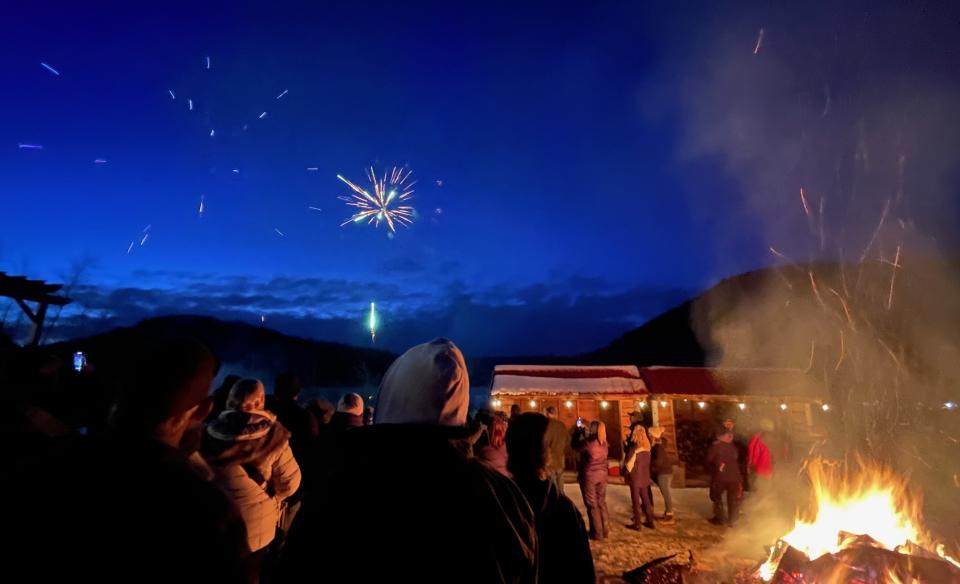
column 865, row 529
column 863, row 561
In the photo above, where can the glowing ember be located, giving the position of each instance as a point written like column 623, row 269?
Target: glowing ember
column 867, row 503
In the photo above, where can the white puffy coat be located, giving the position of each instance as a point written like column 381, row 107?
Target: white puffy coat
column 252, row 462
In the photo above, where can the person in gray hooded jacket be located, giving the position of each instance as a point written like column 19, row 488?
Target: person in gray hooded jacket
column 399, row 502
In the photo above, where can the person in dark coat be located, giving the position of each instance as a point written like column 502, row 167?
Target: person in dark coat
column 592, row 472
column 137, row 506
column 301, row 424
column 724, row 464
column 558, row 441
column 219, row 396
column 400, row 503
column 564, row 550
column 636, row 466
column 661, row 469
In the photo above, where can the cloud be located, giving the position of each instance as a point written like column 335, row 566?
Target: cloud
column 565, row 316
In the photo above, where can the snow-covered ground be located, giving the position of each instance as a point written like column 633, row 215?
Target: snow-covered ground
column 626, row 549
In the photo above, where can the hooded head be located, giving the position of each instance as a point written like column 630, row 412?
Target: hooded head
column 426, row 385
column 247, row 395
column 351, row 403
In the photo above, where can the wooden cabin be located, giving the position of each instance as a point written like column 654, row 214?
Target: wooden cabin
column 690, row 403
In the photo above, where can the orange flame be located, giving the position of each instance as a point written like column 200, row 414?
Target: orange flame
column 868, row 499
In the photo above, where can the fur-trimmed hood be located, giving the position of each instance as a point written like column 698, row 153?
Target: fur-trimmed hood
column 237, row 437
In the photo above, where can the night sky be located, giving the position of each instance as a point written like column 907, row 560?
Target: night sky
column 581, row 168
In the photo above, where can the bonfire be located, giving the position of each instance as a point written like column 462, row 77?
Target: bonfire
column 864, row 526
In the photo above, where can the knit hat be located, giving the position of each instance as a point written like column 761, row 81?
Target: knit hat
column 426, row 385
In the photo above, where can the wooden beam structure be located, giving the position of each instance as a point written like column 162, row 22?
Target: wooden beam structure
column 23, row 290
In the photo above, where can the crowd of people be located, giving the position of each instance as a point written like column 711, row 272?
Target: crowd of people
column 236, row 485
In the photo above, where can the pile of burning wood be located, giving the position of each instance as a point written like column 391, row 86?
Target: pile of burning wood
column 865, row 528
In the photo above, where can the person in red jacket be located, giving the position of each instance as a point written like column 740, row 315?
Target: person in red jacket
column 759, row 459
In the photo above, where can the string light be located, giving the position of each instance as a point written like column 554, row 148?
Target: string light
column 742, row 406
column 783, row 407
column 533, row 403
column 950, row 405
column 568, row 403
column 643, row 405
column 701, row 404
column 825, row 407
column 604, row 404
column 663, row 404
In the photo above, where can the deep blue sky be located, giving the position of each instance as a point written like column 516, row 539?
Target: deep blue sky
column 574, row 204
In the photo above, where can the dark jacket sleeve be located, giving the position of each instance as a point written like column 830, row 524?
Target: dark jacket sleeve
column 580, row 560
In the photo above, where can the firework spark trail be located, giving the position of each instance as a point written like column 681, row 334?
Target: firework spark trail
column 144, row 240
column 826, row 105
column 190, row 104
column 314, row 208
column 313, row 168
column 208, row 62
column 756, row 48
column 846, row 309
column 202, row 207
column 278, row 232
column 816, row 290
column 843, row 352
column 893, row 277
column 823, row 234
column 172, row 94
column 876, row 232
column 261, row 116
column 99, row 161
column 22, row 146
column 813, row 350
column 376, row 208
column 212, row 132
column 803, row 201
column 50, row 69
column 130, row 247
column 284, row 92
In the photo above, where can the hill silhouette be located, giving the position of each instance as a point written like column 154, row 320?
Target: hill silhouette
column 243, row 349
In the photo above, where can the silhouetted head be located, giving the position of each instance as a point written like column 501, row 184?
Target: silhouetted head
column 170, row 393
column 286, row 386
column 551, row 411
column 351, row 403
column 322, row 410
column 527, row 453
column 514, row 410
column 598, row 429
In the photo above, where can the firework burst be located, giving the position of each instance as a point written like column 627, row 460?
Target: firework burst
column 384, row 204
